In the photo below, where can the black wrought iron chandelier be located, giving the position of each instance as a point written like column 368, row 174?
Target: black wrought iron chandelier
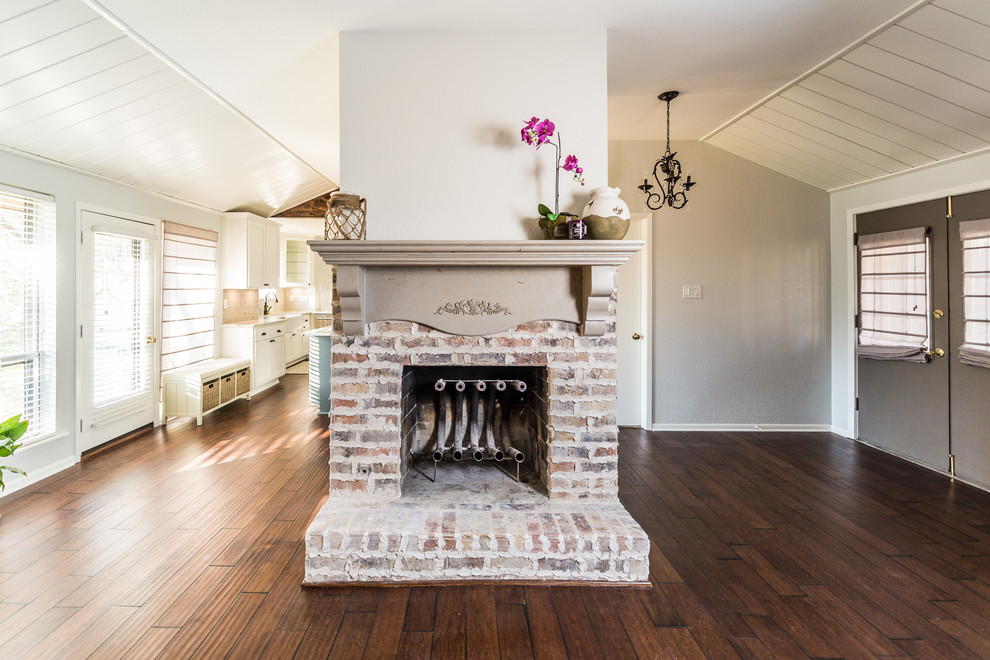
column 670, row 168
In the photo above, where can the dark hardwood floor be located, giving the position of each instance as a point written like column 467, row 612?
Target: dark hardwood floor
column 186, row 542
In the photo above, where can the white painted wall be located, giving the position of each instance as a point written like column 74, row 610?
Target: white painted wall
column 955, row 177
column 71, row 188
column 430, row 127
column 755, row 349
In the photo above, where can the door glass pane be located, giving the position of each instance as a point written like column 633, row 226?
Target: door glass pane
column 975, row 236
column 894, row 291
column 122, row 325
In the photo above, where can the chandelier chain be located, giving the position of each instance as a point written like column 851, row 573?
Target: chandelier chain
column 668, row 127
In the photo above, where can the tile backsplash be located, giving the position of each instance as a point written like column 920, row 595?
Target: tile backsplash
column 248, row 304
column 241, row 305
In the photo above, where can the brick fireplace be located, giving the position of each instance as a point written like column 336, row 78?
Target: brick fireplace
column 506, row 350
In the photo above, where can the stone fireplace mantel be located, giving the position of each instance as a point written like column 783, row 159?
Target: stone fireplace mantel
column 475, row 287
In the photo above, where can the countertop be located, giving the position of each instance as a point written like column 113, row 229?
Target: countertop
column 275, row 318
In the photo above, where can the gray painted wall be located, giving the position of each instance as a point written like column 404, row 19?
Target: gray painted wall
column 755, row 350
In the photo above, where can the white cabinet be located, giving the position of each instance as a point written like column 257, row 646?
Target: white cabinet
column 250, row 252
column 270, row 266
column 296, row 261
column 263, row 344
column 296, row 347
column 269, row 355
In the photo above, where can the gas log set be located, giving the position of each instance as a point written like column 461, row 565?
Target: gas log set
column 457, row 417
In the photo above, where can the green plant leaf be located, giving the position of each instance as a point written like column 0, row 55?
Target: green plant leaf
column 18, row 430
column 9, row 424
column 543, row 209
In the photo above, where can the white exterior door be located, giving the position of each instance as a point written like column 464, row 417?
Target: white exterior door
column 117, row 292
column 632, row 324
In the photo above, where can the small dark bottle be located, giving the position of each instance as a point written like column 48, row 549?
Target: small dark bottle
column 576, row 229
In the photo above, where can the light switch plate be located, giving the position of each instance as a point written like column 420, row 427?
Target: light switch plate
column 692, row 291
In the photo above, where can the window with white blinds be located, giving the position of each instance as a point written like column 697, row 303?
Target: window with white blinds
column 189, row 291
column 894, row 294
column 975, row 236
column 27, row 324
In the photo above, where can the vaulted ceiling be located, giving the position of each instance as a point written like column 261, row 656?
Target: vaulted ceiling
column 232, row 104
column 913, row 93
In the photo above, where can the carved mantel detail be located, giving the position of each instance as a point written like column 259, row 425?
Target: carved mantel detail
column 472, row 307
column 532, row 280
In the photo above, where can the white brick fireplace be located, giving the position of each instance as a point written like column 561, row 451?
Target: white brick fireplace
column 475, row 350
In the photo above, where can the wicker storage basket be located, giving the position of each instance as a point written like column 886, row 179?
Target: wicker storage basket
column 211, row 394
column 226, row 388
column 243, row 382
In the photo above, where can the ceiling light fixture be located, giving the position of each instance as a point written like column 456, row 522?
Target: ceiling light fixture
column 671, row 170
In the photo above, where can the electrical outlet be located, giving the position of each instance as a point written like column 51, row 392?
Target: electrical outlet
column 691, row 291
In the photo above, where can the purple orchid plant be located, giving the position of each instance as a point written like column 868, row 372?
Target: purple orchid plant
column 537, row 132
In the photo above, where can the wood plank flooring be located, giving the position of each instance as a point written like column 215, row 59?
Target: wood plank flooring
column 186, row 542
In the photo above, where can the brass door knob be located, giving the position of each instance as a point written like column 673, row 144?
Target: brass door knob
column 938, row 313
column 151, row 340
column 636, row 335
column 938, row 352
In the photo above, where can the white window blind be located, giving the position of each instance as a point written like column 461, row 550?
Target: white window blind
column 189, row 290
column 975, row 236
column 123, row 318
column 27, row 324
column 894, row 294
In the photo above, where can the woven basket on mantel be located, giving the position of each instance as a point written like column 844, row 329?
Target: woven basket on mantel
column 346, row 214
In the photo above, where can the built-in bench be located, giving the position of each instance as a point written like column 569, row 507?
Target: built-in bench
column 205, row 386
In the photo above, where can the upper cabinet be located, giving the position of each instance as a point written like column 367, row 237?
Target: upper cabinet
column 297, row 263
column 250, row 252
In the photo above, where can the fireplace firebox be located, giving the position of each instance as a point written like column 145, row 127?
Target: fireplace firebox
column 484, row 422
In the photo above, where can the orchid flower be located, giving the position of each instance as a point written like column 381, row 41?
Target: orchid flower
column 537, row 132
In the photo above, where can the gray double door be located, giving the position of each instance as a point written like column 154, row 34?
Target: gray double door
column 929, row 411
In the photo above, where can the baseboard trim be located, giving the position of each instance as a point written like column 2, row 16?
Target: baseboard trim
column 778, row 428
column 931, row 468
column 34, row 476
column 845, row 433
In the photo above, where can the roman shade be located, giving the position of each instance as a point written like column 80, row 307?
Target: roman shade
column 894, row 293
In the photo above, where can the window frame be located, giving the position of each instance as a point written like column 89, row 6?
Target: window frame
column 36, row 260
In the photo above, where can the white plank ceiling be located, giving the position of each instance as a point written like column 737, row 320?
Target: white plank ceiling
column 914, row 93
column 77, row 90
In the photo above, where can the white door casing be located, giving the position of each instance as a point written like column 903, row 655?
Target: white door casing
column 118, row 310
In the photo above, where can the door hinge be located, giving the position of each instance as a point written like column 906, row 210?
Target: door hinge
column 857, row 404
column 80, row 424
column 948, row 206
column 856, row 321
column 80, row 332
column 81, row 234
column 952, row 464
column 855, row 238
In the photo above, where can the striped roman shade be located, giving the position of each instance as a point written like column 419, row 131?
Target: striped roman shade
column 189, row 291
